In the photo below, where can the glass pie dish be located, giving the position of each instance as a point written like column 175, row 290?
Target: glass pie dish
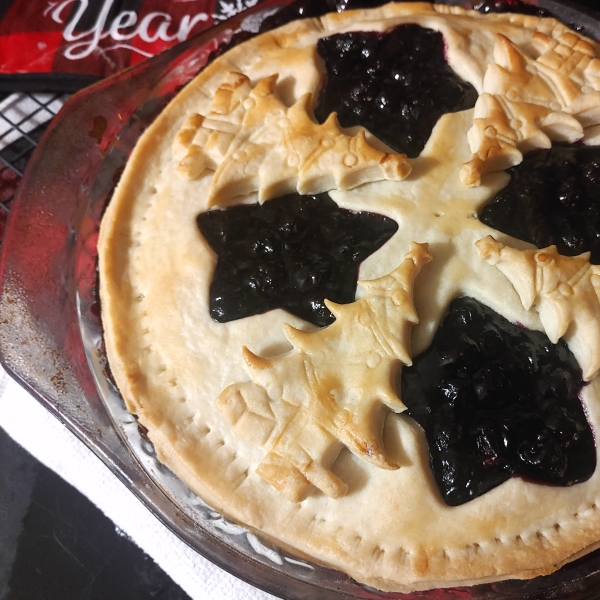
column 51, row 334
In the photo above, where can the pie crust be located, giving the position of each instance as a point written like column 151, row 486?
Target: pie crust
column 181, row 372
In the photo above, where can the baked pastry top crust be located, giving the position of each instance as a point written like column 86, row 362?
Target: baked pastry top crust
column 181, row 372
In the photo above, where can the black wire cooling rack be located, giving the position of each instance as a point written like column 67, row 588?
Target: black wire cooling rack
column 23, row 119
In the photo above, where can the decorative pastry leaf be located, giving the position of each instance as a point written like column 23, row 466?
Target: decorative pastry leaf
column 330, row 390
column 254, row 143
column 528, row 102
column 565, row 290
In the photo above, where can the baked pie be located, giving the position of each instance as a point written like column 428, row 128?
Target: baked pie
column 350, row 285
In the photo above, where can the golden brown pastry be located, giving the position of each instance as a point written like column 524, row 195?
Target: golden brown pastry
column 298, row 432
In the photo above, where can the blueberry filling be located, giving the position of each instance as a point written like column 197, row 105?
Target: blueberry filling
column 290, row 253
column 300, row 9
column 552, row 199
column 512, row 6
column 396, row 84
column 495, row 401
column 303, row 9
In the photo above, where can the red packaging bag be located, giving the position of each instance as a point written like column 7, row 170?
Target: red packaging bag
column 63, row 45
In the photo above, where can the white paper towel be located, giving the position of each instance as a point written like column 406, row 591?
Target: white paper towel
column 40, row 433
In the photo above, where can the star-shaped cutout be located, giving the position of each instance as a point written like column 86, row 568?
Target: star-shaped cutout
column 488, row 415
column 395, row 84
column 292, row 253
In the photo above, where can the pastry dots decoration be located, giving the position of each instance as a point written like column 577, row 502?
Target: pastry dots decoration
column 254, row 143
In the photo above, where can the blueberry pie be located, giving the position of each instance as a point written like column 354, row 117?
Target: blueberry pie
column 350, row 285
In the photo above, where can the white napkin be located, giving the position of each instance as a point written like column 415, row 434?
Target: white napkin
column 34, row 428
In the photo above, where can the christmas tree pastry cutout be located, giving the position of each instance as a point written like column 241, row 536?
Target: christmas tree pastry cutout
column 331, row 389
column 254, row 143
column 565, row 291
column 529, row 102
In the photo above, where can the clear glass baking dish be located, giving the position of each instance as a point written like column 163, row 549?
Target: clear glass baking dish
column 51, row 334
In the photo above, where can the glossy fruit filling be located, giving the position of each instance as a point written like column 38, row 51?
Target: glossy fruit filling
column 300, row 9
column 396, row 84
column 552, row 199
column 303, row 9
column 495, row 401
column 290, row 253
column 510, row 6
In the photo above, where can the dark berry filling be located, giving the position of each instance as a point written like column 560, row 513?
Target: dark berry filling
column 302, row 9
column 396, row 84
column 552, row 199
column 496, row 401
column 512, row 6
column 291, row 253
